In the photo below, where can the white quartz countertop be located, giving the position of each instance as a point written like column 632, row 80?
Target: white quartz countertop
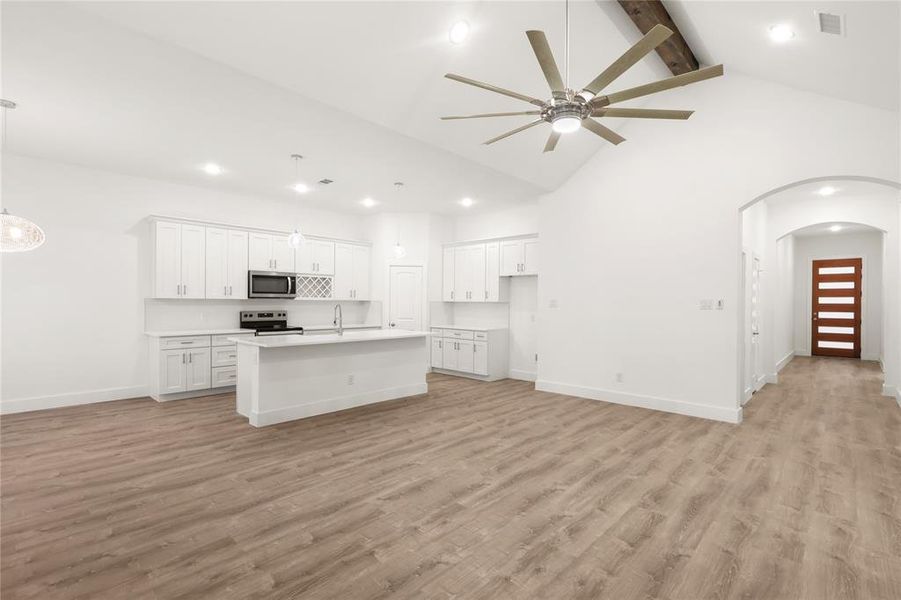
column 284, row 341
column 330, row 327
column 186, row 332
column 466, row 327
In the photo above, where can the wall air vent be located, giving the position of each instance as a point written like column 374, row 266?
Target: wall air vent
column 326, row 181
column 830, row 23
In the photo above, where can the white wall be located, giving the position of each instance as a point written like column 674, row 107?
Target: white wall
column 647, row 228
column 73, row 311
column 868, row 246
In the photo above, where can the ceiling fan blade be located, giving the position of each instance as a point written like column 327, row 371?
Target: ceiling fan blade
column 495, row 89
column 552, row 141
column 500, row 114
column 651, row 40
column 517, row 130
column 641, row 113
column 659, row 86
column 606, row 133
column 546, row 59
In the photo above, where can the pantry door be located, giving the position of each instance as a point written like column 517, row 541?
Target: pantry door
column 835, row 319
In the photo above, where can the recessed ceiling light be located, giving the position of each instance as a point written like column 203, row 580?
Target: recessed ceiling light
column 213, row 169
column 835, row 228
column 781, row 33
column 368, row 202
column 467, row 202
column 300, row 188
column 459, row 32
column 826, row 190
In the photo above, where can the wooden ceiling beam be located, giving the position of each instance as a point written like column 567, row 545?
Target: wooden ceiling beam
column 675, row 51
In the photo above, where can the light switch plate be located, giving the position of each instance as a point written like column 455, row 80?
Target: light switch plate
column 720, row 304
column 705, row 304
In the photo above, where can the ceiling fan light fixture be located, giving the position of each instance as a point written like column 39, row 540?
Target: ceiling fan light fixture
column 566, row 123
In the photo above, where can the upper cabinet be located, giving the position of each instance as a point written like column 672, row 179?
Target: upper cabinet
column 316, row 257
column 473, row 272
column 178, row 260
column 226, row 263
column 519, row 257
column 270, row 252
column 351, row 267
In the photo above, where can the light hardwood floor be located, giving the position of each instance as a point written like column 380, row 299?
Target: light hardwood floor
column 473, row 491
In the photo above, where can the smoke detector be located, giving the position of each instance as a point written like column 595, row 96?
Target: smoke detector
column 830, row 23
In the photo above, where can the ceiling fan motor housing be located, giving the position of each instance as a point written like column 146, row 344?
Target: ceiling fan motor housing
column 566, row 109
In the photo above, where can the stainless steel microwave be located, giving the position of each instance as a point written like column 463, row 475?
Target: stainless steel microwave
column 271, row 284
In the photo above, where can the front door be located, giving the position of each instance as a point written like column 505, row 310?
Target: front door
column 835, row 319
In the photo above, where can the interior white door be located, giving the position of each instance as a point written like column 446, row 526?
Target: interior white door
column 448, row 284
column 193, row 261
column 477, row 273
column 217, row 263
column 167, row 260
column 260, row 252
column 492, row 272
column 361, row 269
column 343, row 283
column 437, row 352
column 282, row 254
column 466, row 356
column 237, row 264
column 530, row 257
column 405, row 304
column 511, row 257
column 173, row 367
column 756, row 367
column 198, row 371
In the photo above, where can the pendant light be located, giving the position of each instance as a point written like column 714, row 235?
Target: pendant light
column 17, row 234
column 399, row 251
column 297, row 239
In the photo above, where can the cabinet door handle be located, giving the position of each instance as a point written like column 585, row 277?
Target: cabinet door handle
column 182, row 358
column 452, row 295
column 230, row 291
column 178, row 290
column 190, row 357
column 225, row 290
column 185, row 289
column 486, row 294
column 439, row 344
column 473, row 348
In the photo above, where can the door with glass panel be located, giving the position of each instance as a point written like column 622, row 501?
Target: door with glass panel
column 835, row 327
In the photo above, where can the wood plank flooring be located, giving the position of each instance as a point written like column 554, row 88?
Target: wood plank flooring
column 473, row 491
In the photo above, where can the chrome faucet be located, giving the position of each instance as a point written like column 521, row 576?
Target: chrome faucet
column 339, row 320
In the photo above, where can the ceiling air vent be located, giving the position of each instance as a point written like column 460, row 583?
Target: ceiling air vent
column 326, row 181
column 829, row 23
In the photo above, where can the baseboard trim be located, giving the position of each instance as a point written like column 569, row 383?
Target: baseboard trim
column 228, row 389
column 889, row 390
column 523, row 375
column 20, row 405
column 292, row 413
column 784, row 361
column 898, row 397
column 802, row 353
column 704, row 411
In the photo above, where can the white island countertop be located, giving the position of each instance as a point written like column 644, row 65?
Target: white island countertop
column 285, row 341
column 192, row 332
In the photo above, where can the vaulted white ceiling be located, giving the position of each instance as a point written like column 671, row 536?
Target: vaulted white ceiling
column 156, row 88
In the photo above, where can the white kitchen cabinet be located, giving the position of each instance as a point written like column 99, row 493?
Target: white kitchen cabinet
column 179, row 263
column 469, row 273
column 197, row 376
column 437, row 352
column 479, row 354
column 270, row 252
column 226, row 263
column 351, row 267
column 492, row 272
column 447, row 277
column 316, row 257
column 173, row 371
column 519, row 257
column 224, row 376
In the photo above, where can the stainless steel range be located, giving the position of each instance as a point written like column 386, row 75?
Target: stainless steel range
column 268, row 322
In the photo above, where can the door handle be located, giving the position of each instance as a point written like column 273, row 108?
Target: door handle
column 392, row 324
column 815, row 316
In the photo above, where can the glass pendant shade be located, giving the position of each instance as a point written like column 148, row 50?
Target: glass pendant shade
column 296, row 239
column 399, row 251
column 18, row 234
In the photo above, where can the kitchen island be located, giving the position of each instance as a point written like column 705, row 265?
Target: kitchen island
column 287, row 377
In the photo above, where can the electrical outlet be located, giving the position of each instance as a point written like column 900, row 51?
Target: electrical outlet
column 350, row 380
column 619, row 378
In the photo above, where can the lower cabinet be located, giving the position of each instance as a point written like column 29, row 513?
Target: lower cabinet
column 192, row 364
column 482, row 353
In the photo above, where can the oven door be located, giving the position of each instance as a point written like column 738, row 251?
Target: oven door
column 270, row 284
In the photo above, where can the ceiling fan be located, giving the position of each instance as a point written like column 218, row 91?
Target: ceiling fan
column 567, row 110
